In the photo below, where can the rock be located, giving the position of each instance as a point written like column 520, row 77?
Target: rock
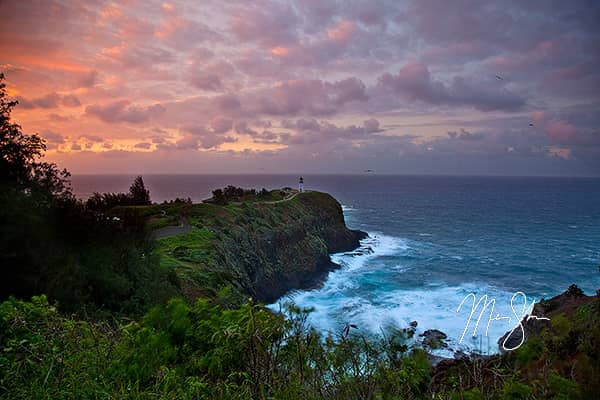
column 434, row 339
column 574, row 291
column 413, row 324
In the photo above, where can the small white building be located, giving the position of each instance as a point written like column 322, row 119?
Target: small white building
column 301, row 184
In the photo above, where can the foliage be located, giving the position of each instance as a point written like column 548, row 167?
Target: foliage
column 206, row 351
column 138, row 193
column 52, row 243
column 201, row 351
column 231, row 193
column 237, row 194
column 138, row 196
column 20, row 168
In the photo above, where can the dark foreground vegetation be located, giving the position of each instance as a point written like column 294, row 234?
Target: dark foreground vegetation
column 94, row 307
column 209, row 351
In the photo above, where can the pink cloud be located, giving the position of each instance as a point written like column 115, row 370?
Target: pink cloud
column 538, row 117
column 123, row 111
column 561, row 131
column 341, row 31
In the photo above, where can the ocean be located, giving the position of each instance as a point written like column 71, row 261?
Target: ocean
column 433, row 241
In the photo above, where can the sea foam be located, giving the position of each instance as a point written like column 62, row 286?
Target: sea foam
column 356, row 293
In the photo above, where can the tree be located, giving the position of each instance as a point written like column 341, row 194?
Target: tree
column 140, row 196
column 219, row 197
column 19, row 154
column 33, row 197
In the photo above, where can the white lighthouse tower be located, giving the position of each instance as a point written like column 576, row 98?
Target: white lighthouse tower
column 301, row 184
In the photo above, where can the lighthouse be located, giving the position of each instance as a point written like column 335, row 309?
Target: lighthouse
column 301, row 184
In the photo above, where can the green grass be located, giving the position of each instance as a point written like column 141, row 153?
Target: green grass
column 191, row 255
column 189, row 245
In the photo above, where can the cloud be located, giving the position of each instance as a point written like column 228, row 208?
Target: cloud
column 380, row 82
column 342, row 31
column 212, row 76
column 559, row 131
column 560, row 152
column 143, row 145
column 206, row 138
column 310, row 131
column 92, row 138
column 124, row 111
column 50, row 100
column 248, row 24
column 464, row 135
column 414, row 82
column 53, row 139
column 310, row 97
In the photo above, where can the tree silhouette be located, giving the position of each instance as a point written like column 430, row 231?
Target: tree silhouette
column 19, row 154
column 139, row 194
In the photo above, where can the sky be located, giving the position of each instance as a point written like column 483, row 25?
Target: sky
column 311, row 86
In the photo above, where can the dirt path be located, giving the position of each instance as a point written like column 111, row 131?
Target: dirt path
column 167, row 231
column 282, row 200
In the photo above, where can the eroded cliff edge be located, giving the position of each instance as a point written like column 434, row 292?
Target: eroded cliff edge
column 261, row 249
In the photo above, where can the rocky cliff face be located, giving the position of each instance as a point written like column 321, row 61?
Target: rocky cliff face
column 273, row 248
column 260, row 249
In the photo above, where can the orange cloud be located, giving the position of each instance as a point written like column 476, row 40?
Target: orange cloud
column 280, row 51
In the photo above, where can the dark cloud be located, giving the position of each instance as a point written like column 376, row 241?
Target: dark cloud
column 311, row 131
column 197, row 136
column 123, row 111
column 51, row 100
column 414, row 82
column 211, row 76
column 52, row 139
column 310, row 97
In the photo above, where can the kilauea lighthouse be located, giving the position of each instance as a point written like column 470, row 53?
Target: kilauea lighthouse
column 301, row 184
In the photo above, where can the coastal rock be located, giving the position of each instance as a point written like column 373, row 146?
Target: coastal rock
column 434, row 339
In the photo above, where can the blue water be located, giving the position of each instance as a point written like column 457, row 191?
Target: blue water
column 434, row 240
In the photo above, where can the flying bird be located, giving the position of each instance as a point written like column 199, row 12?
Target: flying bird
column 346, row 330
column 530, row 124
column 499, row 77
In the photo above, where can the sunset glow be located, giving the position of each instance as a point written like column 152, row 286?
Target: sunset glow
column 292, row 86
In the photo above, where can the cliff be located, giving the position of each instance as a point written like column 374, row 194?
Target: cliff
column 564, row 306
column 260, row 249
